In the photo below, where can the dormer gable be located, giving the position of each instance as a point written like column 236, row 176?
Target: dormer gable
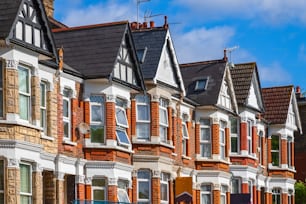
column 254, row 99
column 226, row 98
column 293, row 117
column 31, row 29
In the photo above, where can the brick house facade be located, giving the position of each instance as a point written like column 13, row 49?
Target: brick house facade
column 106, row 112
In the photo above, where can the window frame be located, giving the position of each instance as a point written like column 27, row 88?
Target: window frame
column 44, row 108
column 185, row 138
column 238, row 185
column 223, row 195
column 163, row 127
column 289, row 149
column 276, row 196
column 123, row 190
column 120, row 106
column 250, row 136
column 27, row 194
column 94, row 123
column 1, row 88
column 67, row 97
column 164, row 181
column 148, row 181
column 205, row 142
column 101, row 188
column 146, row 104
column 250, row 185
column 199, row 87
column 222, row 133
column 206, row 192
column 235, row 135
column 275, row 151
column 25, row 94
column 259, row 146
column 2, row 175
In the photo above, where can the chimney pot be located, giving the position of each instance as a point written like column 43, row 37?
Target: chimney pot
column 134, row 25
column 152, row 24
column 298, row 89
column 145, row 25
column 166, row 22
column 225, row 57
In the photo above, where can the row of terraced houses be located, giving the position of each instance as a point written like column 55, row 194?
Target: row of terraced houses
column 106, row 113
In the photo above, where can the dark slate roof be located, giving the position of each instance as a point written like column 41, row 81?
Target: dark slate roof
column 8, row 13
column 154, row 40
column 277, row 101
column 92, row 50
column 242, row 75
column 213, row 70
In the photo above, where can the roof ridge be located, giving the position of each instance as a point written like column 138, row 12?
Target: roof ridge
column 89, row 26
column 279, row 87
column 185, row 65
column 245, row 63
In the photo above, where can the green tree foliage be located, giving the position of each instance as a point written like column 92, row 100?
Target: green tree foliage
column 300, row 192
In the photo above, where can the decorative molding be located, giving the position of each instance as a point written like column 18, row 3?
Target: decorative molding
column 13, row 163
column 134, row 173
column 110, row 98
column 37, row 167
column 155, row 98
column 80, row 179
column 215, row 120
column 156, row 173
column 59, row 175
column 11, row 64
column 112, row 181
column 88, row 180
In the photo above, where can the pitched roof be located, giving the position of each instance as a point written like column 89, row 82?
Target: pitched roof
column 153, row 40
column 211, row 70
column 8, row 13
column 242, row 75
column 92, row 50
column 277, row 101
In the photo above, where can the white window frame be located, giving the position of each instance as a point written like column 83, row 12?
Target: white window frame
column 139, row 122
column 222, row 126
column 276, row 196
column 250, row 136
column 25, row 94
column 235, row 135
column 164, row 181
column 120, row 126
column 238, row 184
column 185, row 138
column 163, row 126
column 289, row 148
column 4, row 181
column 274, row 150
column 43, row 107
column 148, row 180
column 98, row 123
column 27, row 194
column 259, row 147
column 123, row 190
column 224, row 95
column 118, row 108
column 250, row 184
column 67, row 119
column 205, row 192
column 101, row 188
column 1, row 88
column 204, row 143
column 290, row 195
column 223, row 191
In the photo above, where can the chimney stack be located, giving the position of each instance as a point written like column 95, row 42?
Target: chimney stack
column 152, row 24
column 225, row 57
column 49, row 7
column 166, row 25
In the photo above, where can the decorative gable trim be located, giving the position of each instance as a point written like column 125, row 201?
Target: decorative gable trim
column 255, row 84
column 295, row 108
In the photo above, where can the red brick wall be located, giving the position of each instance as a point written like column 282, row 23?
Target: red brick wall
column 216, row 196
column 283, row 151
column 88, row 192
column 197, row 138
column 155, row 190
column 254, row 139
column 134, row 186
column 154, row 118
column 87, row 115
column 80, row 191
column 284, row 198
column 227, row 142
column 110, row 121
column 244, row 188
column 215, row 139
column 112, row 193
column 243, row 136
column 269, row 151
column 133, row 117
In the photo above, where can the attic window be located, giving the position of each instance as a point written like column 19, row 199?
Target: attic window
column 201, row 85
column 141, row 54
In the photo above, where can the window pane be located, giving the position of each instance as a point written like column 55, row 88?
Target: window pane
column 205, row 150
column 42, row 95
column 97, row 133
column 66, row 129
column 143, row 192
column 205, row 134
column 163, row 116
column 25, row 199
column 98, row 182
column 98, row 195
column 122, row 137
column 143, row 130
column 42, row 118
column 23, row 79
column 65, row 108
column 1, row 103
column 24, row 107
column 275, row 143
column 96, row 113
column 143, row 174
column 25, row 179
column 164, row 192
column 275, row 158
column 234, row 125
column 1, row 176
column 123, row 196
column 185, row 131
column 163, row 133
column 205, row 199
column 234, row 144
column 143, row 112
column 121, row 117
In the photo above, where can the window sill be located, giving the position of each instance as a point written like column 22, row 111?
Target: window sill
column 22, row 123
column 186, row 157
column 46, row 137
column 67, row 142
column 148, row 142
column 280, row 168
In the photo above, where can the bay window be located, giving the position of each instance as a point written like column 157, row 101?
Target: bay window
column 99, row 189
column 164, row 187
column 144, row 186
column 206, row 194
column 24, row 82
column 143, row 117
column 25, row 183
column 122, row 123
column 97, row 130
column 205, row 138
column 275, row 150
column 163, row 119
column 67, row 113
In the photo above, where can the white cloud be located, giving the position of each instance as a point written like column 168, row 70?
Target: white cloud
column 274, row 74
column 202, row 44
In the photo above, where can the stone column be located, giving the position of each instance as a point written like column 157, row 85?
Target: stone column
column 112, row 189
column 12, row 193
column 37, row 186
column 60, row 186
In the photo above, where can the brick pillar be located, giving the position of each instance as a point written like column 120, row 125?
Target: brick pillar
column 130, row 194
column 60, row 194
column 129, row 119
column 283, row 151
column 254, row 194
column 197, row 199
column 88, row 192
column 49, row 187
column 74, row 107
column 284, row 198
column 292, row 199
column 188, row 145
column 110, row 120
column 268, row 198
column 155, row 192
column 269, row 151
column 37, row 187
column 228, row 197
column 197, row 138
column 244, row 188
column 112, row 193
column 133, row 117
column 258, row 193
column 176, row 143
column 254, row 139
column 87, row 115
column 134, row 187
column 12, row 192
column 227, row 142
column 171, row 191
column 292, row 154
column 35, row 100
column 169, row 132
column 216, row 196
column 155, row 118
column 243, row 136
column 11, row 93
column 215, row 139
column 81, row 191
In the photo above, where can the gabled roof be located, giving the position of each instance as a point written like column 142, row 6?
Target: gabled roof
column 8, row 13
column 93, row 49
column 277, row 101
column 242, row 75
column 211, row 70
column 153, row 40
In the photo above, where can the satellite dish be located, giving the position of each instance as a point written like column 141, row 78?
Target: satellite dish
column 84, row 128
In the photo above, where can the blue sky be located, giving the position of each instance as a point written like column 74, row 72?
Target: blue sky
column 271, row 33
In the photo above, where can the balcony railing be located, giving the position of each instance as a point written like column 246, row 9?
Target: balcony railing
column 96, row 202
